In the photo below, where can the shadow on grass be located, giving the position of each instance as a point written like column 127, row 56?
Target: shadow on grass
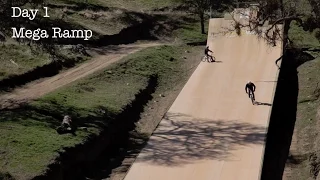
column 127, row 35
column 203, row 43
column 151, row 28
column 296, row 159
column 6, row 176
column 301, row 56
column 11, row 82
column 307, row 100
column 48, row 70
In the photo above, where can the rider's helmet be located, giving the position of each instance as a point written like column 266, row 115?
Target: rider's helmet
column 248, row 82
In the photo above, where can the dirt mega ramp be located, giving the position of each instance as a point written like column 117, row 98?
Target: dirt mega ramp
column 212, row 131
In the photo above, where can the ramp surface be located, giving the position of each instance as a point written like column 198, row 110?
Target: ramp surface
column 212, row 131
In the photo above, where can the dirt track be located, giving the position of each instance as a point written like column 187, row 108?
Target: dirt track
column 212, row 131
column 103, row 58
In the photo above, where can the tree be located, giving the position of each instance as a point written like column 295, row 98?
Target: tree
column 281, row 12
column 199, row 7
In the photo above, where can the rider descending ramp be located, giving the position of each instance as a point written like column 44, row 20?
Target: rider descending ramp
column 212, row 131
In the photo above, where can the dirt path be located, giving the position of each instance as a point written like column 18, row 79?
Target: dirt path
column 103, row 57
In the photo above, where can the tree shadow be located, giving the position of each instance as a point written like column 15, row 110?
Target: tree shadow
column 117, row 157
column 301, row 56
column 131, row 17
column 47, row 70
column 151, row 27
column 182, row 139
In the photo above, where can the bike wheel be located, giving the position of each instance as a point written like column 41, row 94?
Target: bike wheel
column 60, row 130
column 252, row 99
column 204, row 59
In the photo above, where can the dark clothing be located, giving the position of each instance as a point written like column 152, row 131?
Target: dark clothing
column 251, row 87
column 206, row 51
column 251, row 93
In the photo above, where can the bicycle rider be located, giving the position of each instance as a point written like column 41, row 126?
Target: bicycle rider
column 250, row 89
column 206, row 52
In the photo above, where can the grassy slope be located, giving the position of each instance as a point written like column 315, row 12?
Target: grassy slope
column 110, row 89
column 109, row 18
column 189, row 33
column 28, row 138
column 307, row 122
column 302, row 38
column 23, row 57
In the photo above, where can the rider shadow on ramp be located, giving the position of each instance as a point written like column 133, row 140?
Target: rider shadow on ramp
column 182, row 139
column 263, row 104
column 216, row 62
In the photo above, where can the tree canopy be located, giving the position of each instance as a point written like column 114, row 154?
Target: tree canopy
column 282, row 12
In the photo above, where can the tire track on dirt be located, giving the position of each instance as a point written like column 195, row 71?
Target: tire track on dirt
column 104, row 57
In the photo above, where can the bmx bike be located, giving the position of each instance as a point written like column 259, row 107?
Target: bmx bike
column 208, row 58
column 251, row 96
column 64, row 129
